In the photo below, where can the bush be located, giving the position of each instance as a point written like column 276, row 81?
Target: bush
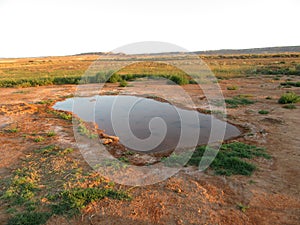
column 179, row 80
column 114, row 78
column 290, row 83
column 123, row 83
column 289, row 97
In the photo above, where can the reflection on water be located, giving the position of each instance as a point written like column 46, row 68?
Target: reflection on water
column 141, row 122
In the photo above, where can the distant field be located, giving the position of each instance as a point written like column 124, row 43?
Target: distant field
column 27, row 72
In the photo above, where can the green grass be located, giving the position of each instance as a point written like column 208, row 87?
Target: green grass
column 45, row 186
column 242, row 207
column 66, row 70
column 29, row 218
column 175, row 160
column 263, row 112
column 72, row 201
column 51, row 133
column 83, row 130
column 289, row 106
column 39, row 139
column 60, row 114
column 290, row 83
column 289, row 97
column 12, row 130
column 123, row 83
column 45, row 102
column 22, row 188
column 230, row 158
column 181, row 80
column 54, row 150
column 238, row 101
column 232, row 88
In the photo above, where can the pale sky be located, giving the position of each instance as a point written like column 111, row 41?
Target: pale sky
column 64, row 27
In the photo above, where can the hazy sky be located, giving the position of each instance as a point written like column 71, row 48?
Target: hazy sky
column 62, row 27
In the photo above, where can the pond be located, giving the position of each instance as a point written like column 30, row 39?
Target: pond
column 147, row 125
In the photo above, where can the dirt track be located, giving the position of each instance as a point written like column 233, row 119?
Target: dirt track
column 191, row 197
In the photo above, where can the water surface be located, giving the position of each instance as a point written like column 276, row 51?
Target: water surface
column 147, row 125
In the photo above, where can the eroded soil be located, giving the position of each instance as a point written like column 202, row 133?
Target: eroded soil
column 271, row 194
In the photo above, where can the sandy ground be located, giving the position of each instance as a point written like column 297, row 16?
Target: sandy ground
column 272, row 193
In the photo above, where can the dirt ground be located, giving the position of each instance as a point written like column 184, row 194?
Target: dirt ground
column 271, row 194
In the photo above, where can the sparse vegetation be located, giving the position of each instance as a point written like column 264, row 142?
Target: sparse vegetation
column 29, row 218
column 229, row 159
column 84, row 130
column 12, row 130
column 35, row 194
column 237, row 101
column 232, row 87
column 51, row 133
column 60, row 114
column 289, row 97
column 289, row 106
column 242, row 207
column 290, row 83
column 39, row 139
column 263, row 112
column 72, row 201
column 181, row 80
column 123, row 83
column 48, row 72
column 45, row 102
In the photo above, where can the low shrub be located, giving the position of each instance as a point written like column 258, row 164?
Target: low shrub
column 263, row 112
column 181, row 80
column 289, row 97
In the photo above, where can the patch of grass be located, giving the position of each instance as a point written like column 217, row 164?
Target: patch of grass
column 62, row 115
column 242, row 207
column 129, row 153
column 39, row 139
column 72, row 201
column 289, row 97
column 22, row 187
column 229, row 159
column 263, row 112
column 290, row 83
column 237, row 101
column 114, row 165
column 21, row 92
column 54, row 150
column 51, row 149
column 83, row 130
column 252, row 182
column 124, row 159
column 181, row 80
column 175, row 160
column 289, row 106
column 45, row 102
column 51, row 133
column 123, row 83
column 29, row 218
column 232, row 87
column 12, row 130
